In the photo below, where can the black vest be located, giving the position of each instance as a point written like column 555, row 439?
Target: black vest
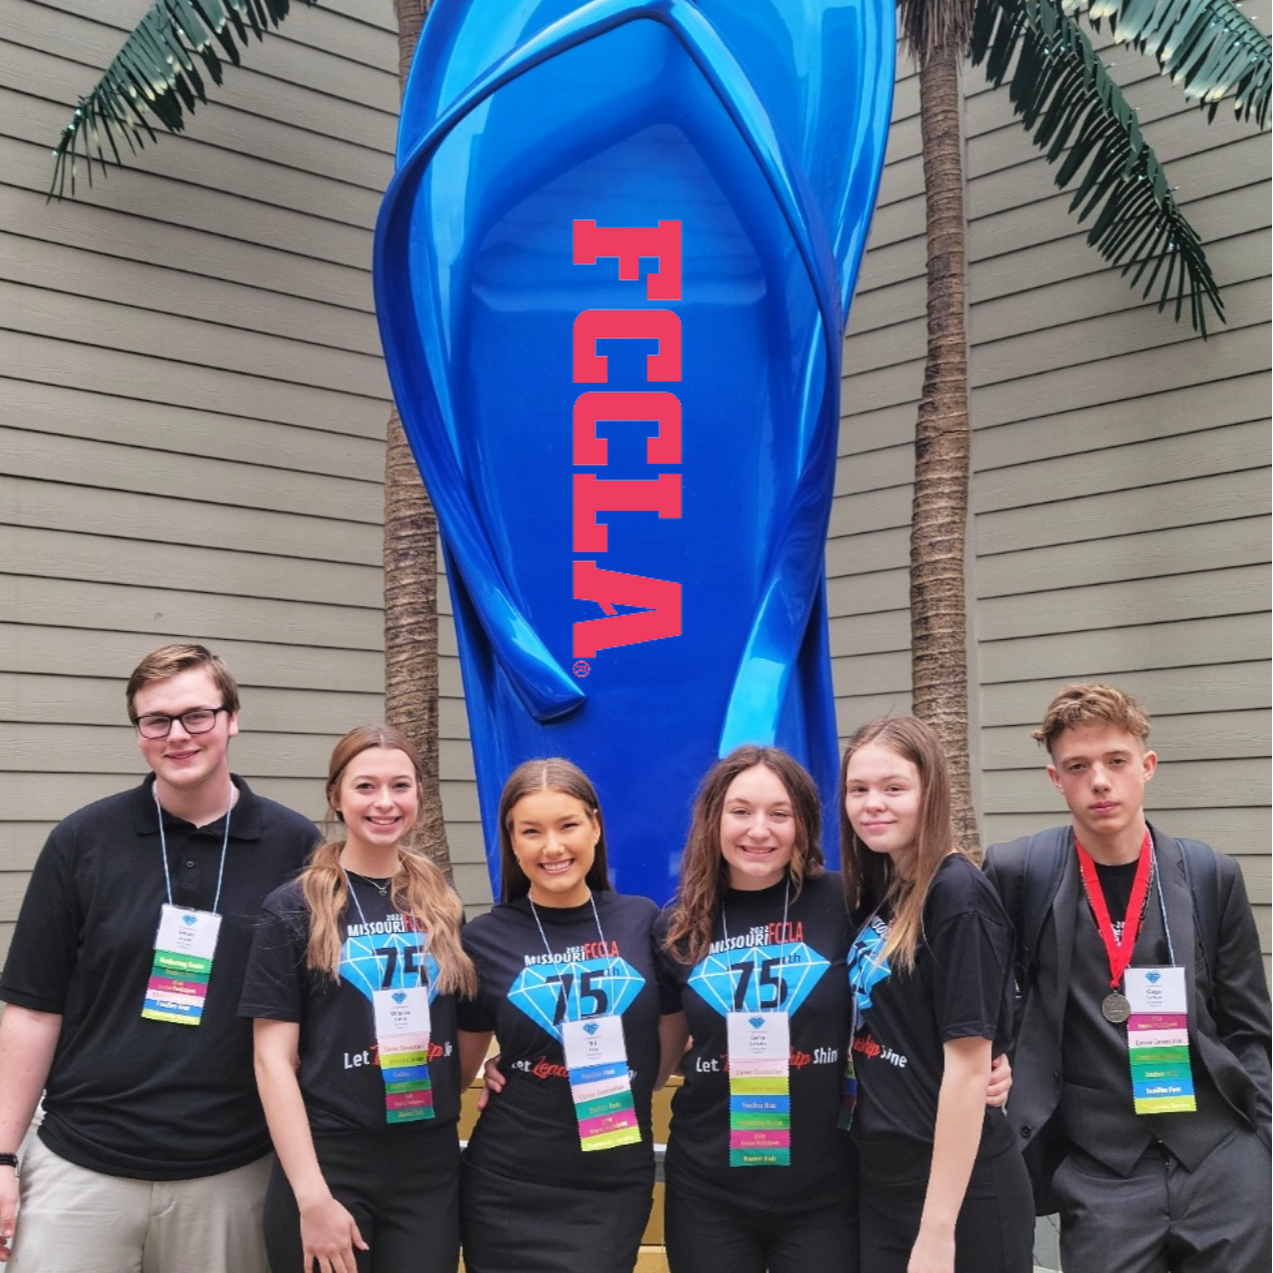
column 1096, row 1096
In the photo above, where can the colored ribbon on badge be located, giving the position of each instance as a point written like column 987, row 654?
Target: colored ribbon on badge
column 596, row 1056
column 403, row 1032
column 600, row 1086
column 185, row 943
column 759, row 1089
column 1158, row 1041
column 184, row 946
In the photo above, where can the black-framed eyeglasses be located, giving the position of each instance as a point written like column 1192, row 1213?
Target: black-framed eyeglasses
column 198, row 720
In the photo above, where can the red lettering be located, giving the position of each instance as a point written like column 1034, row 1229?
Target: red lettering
column 799, row 1060
column 627, row 324
column 593, row 496
column 661, row 407
column 659, row 599
column 630, row 244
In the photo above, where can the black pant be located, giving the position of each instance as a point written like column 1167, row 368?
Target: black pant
column 995, row 1229
column 401, row 1185
column 706, row 1235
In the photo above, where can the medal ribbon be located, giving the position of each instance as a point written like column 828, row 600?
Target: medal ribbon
column 1118, row 952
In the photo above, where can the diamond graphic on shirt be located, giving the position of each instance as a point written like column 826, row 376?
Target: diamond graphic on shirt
column 760, row 978
column 866, row 965
column 551, row 993
column 388, row 961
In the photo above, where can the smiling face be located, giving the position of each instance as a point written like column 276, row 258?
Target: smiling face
column 378, row 799
column 882, row 797
column 185, row 764
column 1102, row 771
column 757, row 829
column 554, row 839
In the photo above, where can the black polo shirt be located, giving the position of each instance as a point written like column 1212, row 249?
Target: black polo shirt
column 127, row 1096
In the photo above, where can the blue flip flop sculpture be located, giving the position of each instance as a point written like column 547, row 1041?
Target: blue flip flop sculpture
column 612, row 274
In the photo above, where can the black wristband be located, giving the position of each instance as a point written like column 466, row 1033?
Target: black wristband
column 9, row 1160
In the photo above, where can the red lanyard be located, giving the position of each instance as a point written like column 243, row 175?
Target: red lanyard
column 1119, row 953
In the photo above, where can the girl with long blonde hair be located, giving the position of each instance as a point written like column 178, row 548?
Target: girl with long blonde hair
column 943, row 1185
column 353, row 979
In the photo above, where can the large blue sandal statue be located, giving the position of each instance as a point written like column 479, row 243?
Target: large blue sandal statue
column 612, row 273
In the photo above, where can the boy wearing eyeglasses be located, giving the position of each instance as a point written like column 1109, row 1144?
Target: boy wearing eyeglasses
column 122, row 989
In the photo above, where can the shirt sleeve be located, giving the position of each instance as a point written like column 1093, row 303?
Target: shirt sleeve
column 46, row 941
column 274, row 986
column 972, row 953
column 670, row 973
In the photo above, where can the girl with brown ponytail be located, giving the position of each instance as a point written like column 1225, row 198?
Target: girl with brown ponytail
column 353, row 977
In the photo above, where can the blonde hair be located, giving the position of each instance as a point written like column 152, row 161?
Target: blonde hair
column 419, row 890
column 871, row 879
column 1079, row 705
column 704, row 871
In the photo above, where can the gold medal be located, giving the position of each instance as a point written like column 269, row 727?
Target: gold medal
column 1115, row 1008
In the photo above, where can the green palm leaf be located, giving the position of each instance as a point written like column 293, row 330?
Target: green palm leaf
column 1078, row 116
column 1209, row 47
column 154, row 78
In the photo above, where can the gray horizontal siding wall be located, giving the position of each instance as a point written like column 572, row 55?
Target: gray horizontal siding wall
column 192, row 410
column 1120, row 496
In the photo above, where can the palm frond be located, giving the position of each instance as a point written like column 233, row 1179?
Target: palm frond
column 1209, row 47
column 154, row 78
column 1075, row 112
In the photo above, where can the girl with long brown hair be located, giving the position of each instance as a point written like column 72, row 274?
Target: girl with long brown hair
column 943, row 1185
column 759, row 1178
column 353, row 978
column 559, row 1172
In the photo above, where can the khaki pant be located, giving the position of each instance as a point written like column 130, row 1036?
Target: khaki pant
column 72, row 1220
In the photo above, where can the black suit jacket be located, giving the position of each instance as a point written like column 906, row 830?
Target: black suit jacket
column 1228, row 1003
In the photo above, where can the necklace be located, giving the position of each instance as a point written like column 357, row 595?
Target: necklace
column 381, row 886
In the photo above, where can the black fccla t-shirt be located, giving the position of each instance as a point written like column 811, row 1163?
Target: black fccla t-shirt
column 339, row 1075
column 808, row 960
column 960, row 988
column 524, row 992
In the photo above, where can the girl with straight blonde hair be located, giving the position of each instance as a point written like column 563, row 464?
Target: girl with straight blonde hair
column 353, row 978
column 943, row 1187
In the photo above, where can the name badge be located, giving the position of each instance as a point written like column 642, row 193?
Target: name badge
column 403, row 1011
column 404, row 1027
column 1158, row 1041
column 600, row 1085
column 185, row 944
column 759, row 1089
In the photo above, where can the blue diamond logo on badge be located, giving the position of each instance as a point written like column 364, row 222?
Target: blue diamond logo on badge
column 189, row 920
column 399, row 996
column 591, row 1027
column 718, row 979
column 551, row 993
column 755, row 1022
column 1153, row 977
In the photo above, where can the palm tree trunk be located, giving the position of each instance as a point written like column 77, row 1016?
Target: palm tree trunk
column 939, row 657
column 411, row 574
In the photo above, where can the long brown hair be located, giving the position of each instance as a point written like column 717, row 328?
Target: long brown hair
column 419, row 889
column 870, row 878
column 553, row 774
column 704, row 871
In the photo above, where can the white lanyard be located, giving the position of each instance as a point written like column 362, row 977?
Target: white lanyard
column 163, row 851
